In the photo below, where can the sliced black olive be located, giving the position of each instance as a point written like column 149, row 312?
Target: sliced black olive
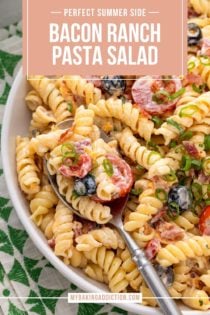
column 179, row 199
column 114, row 85
column 90, row 184
column 79, row 187
column 85, row 186
column 194, row 34
column 166, row 274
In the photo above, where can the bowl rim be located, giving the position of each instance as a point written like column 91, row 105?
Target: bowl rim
column 31, row 228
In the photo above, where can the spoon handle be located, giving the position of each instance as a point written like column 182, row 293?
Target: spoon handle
column 166, row 303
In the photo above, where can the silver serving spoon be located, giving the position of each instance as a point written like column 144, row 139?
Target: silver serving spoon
column 166, row 303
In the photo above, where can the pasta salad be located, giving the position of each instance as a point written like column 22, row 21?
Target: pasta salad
column 158, row 153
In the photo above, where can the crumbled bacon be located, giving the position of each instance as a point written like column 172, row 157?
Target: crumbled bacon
column 158, row 218
column 66, row 135
column 191, row 148
column 192, row 78
column 169, row 231
column 77, row 228
column 152, row 248
column 203, row 179
column 51, row 243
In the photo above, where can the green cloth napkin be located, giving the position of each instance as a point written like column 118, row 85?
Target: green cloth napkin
column 29, row 284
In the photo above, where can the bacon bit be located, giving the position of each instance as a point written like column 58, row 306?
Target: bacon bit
column 152, row 248
column 191, row 148
column 66, row 135
column 169, row 231
column 192, row 13
column 203, row 179
column 77, row 228
column 88, row 226
column 192, row 78
column 205, row 49
column 158, row 218
column 51, row 243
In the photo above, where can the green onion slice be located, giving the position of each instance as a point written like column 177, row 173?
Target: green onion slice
column 157, row 121
column 207, row 202
column 175, row 124
column 68, row 151
column 196, row 190
column 207, row 142
column 136, row 192
column 186, row 163
column 188, row 111
column 157, row 97
column 205, row 60
column 173, row 210
column 161, row 194
column 107, row 165
column 191, row 65
column 196, row 164
column 187, row 135
column 170, row 177
column 177, row 94
column 70, row 107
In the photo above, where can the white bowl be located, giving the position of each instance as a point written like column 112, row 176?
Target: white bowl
column 16, row 122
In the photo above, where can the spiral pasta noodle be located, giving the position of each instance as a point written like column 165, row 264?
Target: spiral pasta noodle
column 33, row 100
column 126, row 113
column 78, row 86
column 62, row 231
column 100, row 237
column 41, row 118
column 51, row 96
column 42, row 203
column 185, row 116
column 201, row 6
column 47, row 222
column 151, row 160
column 196, row 299
column 28, row 172
column 181, row 250
column 148, row 205
column 111, row 266
column 96, row 273
column 133, row 276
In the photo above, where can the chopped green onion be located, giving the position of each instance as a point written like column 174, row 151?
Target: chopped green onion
column 108, row 167
column 186, row 163
column 177, row 94
column 68, row 151
column 172, row 144
column 161, row 194
column 157, row 97
column 70, row 107
column 196, row 164
column 173, row 211
column 207, row 142
column 136, row 192
column 175, row 124
column 151, row 154
column 170, row 177
column 74, row 195
column 199, row 89
column 157, row 121
column 207, row 202
column 187, row 135
column 196, row 190
column 191, row 65
column 188, row 110
column 205, row 60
